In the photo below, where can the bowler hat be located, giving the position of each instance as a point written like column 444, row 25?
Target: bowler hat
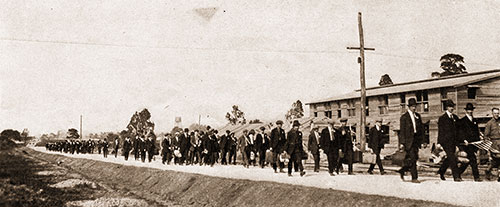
column 379, row 120
column 279, row 122
column 343, row 120
column 296, row 123
column 469, row 106
column 412, row 102
column 449, row 103
column 262, row 128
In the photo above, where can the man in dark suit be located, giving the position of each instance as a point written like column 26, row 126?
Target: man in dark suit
column 176, row 142
column 293, row 146
column 224, row 147
column 469, row 132
column 116, row 146
column 449, row 140
column 184, row 145
column 261, row 145
column 165, row 149
column 346, row 145
column 232, row 143
column 127, row 146
column 277, row 140
column 376, row 143
column 313, row 147
column 411, row 138
column 330, row 145
column 150, row 147
column 142, row 148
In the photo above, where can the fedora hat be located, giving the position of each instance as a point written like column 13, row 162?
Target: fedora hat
column 469, row 106
column 449, row 103
column 412, row 102
column 296, row 123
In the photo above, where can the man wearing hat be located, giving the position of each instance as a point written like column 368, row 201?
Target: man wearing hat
column 224, row 147
column 313, row 146
column 449, row 140
column 277, row 141
column 294, row 148
column 329, row 142
column 376, row 143
column 411, row 138
column 346, row 145
column 469, row 132
column 261, row 145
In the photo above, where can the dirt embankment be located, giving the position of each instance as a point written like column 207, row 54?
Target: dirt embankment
column 185, row 189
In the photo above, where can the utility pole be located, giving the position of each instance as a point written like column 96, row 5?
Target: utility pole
column 199, row 119
column 81, row 133
column 361, row 61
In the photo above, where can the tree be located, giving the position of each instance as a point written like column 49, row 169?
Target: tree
column 11, row 134
column 296, row 112
column 236, row 116
column 385, row 80
column 72, row 134
column 140, row 124
column 452, row 64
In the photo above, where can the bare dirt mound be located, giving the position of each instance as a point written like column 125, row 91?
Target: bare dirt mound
column 185, row 189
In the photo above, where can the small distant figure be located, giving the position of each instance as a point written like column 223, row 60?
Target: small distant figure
column 127, row 146
column 117, row 145
column 105, row 146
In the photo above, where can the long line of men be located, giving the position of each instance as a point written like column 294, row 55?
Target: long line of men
column 337, row 143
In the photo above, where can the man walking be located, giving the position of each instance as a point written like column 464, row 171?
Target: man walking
column 127, row 146
column 469, row 132
column 376, row 143
column 330, row 145
column 346, row 145
column 313, row 146
column 411, row 137
column 262, row 144
column 492, row 133
column 449, row 140
column 277, row 140
column 294, row 148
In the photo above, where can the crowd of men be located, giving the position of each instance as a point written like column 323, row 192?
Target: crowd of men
column 260, row 148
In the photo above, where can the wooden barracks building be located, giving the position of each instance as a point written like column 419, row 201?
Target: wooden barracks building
column 389, row 102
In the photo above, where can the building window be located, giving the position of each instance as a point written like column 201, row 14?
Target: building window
column 422, row 101
column 402, row 98
column 383, row 104
column 328, row 114
column 367, row 107
column 315, row 114
column 339, row 113
column 471, row 93
column 444, row 94
column 351, row 112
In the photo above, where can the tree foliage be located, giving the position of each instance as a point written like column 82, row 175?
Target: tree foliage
column 296, row 112
column 236, row 116
column 385, row 80
column 452, row 64
column 72, row 134
column 11, row 134
column 140, row 124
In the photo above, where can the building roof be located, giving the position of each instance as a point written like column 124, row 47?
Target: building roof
column 446, row 81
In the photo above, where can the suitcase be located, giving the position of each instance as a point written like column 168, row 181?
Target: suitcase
column 358, row 157
column 369, row 158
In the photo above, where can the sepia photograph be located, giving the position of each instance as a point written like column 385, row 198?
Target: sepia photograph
column 249, row 103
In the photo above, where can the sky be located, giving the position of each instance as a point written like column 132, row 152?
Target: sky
column 105, row 60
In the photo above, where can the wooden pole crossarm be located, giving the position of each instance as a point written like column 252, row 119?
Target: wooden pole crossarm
column 357, row 48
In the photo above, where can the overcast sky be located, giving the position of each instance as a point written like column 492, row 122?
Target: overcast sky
column 107, row 59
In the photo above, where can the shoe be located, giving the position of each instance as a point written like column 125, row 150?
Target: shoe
column 401, row 174
column 441, row 176
column 331, row 174
column 478, row 180
column 488, row 175
column 289, row 175
column 302, row 173
column 282, row 171
column 370, row 172
column 457, row 179
column 382, row 173
column 350, row 173
column 275, row 171
column 498, row 179
column 415, row 181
